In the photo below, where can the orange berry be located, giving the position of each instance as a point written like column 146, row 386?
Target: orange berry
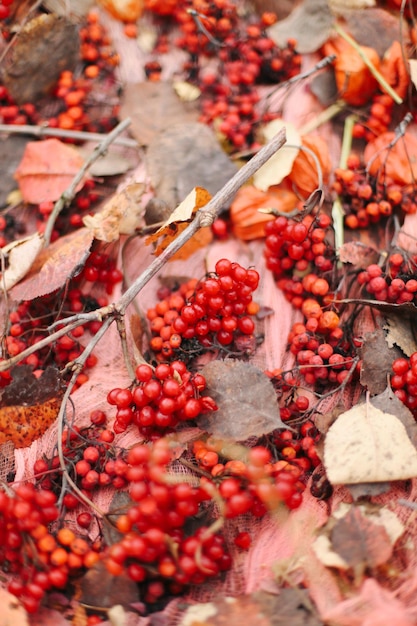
column 75, row 561
column 80, row 546
column 352, row 221
column 46, row 544
column 91, row 71
column 76, row 113
column 65, row 121
column 311, row 308
column 59, row 557
column 91, row 558
column 130, row 30
column 328, row 321
column 65, row 536
column 123, row 524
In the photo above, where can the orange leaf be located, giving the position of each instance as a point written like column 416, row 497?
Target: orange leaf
column 394, row 69
column 354, row 81
column 247, row 221
column 304, row 170
column 397, row 163
column 179, row 219
column 46, row 170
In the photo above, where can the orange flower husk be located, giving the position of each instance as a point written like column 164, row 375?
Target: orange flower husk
column 124, row 10
column 393, row 165
column 394, row 69
column 355, row 83
column 304, row 170
column 247, row 221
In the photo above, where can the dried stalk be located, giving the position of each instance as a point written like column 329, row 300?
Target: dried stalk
column 46, row 131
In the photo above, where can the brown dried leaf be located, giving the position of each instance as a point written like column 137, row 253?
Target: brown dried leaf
column 179, row 218
column 388, row 401
column 121, row 215
column 47, row 169
column 366, row 444
column 384, row 26
column 281, row 163
column 12, row 612
column 246, row 400
column 12, row 149
column 400, row 333
column 185, row 156
column 101, row 589
column 29, row 405
column 358, row 254
column 46, row 45
column 55, row 265
column 290, row 606
column 310, row 24
column 377, row 358
column 360, row 542
column 154, row 108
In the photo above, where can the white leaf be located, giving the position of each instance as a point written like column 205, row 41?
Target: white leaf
column 21, row 255
column 280, row 164
column 365, row 444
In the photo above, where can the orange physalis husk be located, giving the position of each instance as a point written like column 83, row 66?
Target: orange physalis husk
column 247, row 221
column 304, row 170
column 394, row 69
column 355, row 83
column 396, row 164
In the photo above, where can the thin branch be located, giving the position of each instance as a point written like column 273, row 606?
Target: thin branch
column 46, row 131
column 69, row 193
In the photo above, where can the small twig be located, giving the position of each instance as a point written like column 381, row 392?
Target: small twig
column 337, row 209
column 70, row 192
column 375, row 73
column 121, row 327
column 46, row 131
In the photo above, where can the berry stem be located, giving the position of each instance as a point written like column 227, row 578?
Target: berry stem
column 375, row 73
column 45, row 131
column 337, row 209
column 70, row 192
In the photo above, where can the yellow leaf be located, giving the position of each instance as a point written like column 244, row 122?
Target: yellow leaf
column 280, row 164
column 186, row 91
column 179, row 218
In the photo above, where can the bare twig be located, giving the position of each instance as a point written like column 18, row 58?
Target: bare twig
column 69, row 193
column 46, row 131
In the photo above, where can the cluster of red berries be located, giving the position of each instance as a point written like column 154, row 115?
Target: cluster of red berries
column 364, row 200
column 213, row 312
column 404, row 381
column 100, row 269
column 377, row 120
column 162, row 398
column 299, row 248
column 385, row 287
column 12, row 113
column 155, row 547
column 5, row 9
column 37, row 560
column 299, row 447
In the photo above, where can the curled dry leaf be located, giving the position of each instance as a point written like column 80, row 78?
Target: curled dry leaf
column 47, row 169
column 304, row 173
column 179, row 219
column 377, row 358
column 246, row 401
column 355, row 83
column 248, row 222
column 384, row 26
column 54, row 265
column 281, row 163
column 101, row 589
column 394, row 163
column 29, row 405
column 395, row 70
column 21, row 255
column 366, row 444
column 121, row 215
column 400, row 333
column 358, row 254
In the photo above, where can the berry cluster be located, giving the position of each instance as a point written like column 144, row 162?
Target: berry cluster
column 101, row 269
column 404, row 381
column 162, row 398
column 300, row 248
column 213, row 312
column 5, row 6
column 392, row 286
column 38, row 560
column 155, row 548
column 378, row 119
column 365, row 201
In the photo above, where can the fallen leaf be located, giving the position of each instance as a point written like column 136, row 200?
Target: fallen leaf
column 392, row 162
column 11, row 153
column 46, row 45
column 186, row 156
column 121, row 215
column 101, row 589
column 179, row 218
column 366, row 444
column 29, row 405
column 77, row 8
column 384, row 26
column 281, row 163
column 246, row 400
column 377, row 358
column 117, row 615
column 154, row 108
column 47, row 169
column 186, row 91
column 12, row 612
column 344, row 6
column 359, row 542
column 54, row 265
column 289, row 606
column 377, row 514
column 110, row 164
column 400, row 333
column 310, row 24
column 21, row 255
column 388, row 401
column 358, row 254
